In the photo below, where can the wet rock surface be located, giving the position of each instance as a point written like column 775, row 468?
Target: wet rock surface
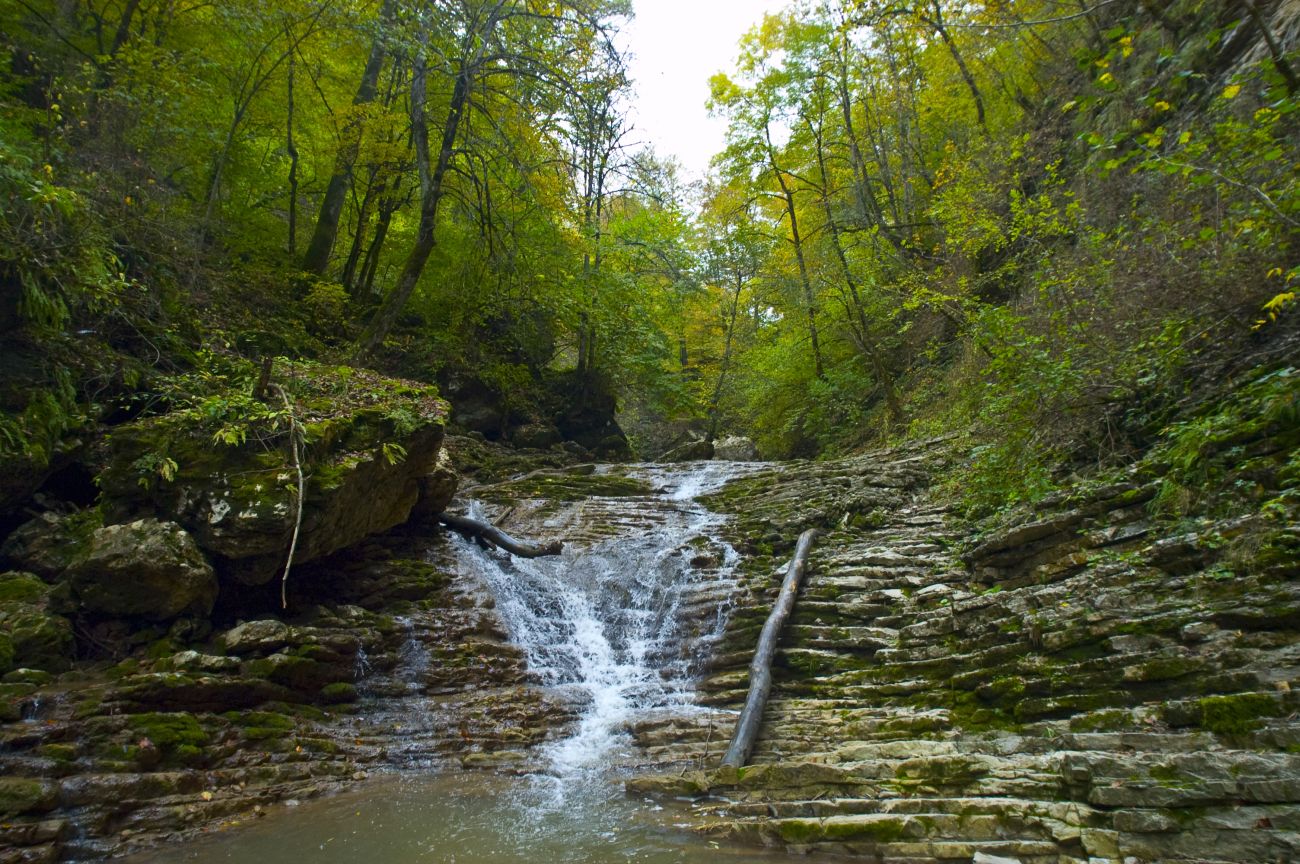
column 401, row 667
column 146, row 569
column 1086, row 683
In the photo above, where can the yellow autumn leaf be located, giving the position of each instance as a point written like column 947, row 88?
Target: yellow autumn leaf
column 1281, row 300
column 206, row 795
column 1231, row 91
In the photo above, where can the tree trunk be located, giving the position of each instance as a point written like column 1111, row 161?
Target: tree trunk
column 331, row 208
column 431, row 179
column 370, row 266
column 937, row 24
column 293, row 168
column 760, row 670
column 864, row 190
column 348, row 279
column 491, row 534
column 431, row 191
column 804, row 279
column 1275, row 50
column 870, row 348
column 714, row 412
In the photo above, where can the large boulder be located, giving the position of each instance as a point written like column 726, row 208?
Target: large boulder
column 144, row 569
column 535, row 436
column 367, row 451
column 585, row 410
column 437, row 488
column 735, row 448
column 691, row 451
column 47, row 545
column 30, row 634
column 256, row 637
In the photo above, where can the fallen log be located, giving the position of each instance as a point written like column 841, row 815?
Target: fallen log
column 482, row 531
column 760, row 669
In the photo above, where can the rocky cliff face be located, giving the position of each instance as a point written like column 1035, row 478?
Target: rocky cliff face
column 1090, row 681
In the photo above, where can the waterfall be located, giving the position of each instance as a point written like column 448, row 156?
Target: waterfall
column 617, row 622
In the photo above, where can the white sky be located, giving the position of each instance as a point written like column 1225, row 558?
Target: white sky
column 677, row 45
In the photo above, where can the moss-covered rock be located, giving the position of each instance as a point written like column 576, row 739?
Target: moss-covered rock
column 30, row 634
column 338, row 692
column 48, row 544
column 178, row 738
column 261, row 725
column 1238, row 714
column 368, row 442
column 146, row 569
column 573, row 485
column 301, row 674
column 20, row 795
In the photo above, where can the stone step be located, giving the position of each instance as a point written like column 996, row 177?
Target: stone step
column 885, row 839
column 912, row 825
column 1048, row 812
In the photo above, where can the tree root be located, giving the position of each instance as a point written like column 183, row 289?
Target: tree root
column 296, row 437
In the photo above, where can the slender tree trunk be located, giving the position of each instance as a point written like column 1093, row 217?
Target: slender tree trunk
column 293, row 168
column 864, row 191
column 359, row 236
column 936, row 23
column 431, row 192
column 869, row 346
column 431, row 177
column 327, row 223
column 370, row 266
column 124, row 27
column 714, row 412
column 787, row 195
column 1275, row 50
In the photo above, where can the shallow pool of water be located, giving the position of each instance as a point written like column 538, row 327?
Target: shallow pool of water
column 465, row 819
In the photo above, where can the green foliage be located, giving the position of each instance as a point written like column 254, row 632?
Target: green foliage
column 926, row 220
column 1202, row 450
column 35, row 431
column 53, row 250
column 218, row 396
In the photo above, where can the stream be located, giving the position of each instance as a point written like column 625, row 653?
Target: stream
column 615, row 627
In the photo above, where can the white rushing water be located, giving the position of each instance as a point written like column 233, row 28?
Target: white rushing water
column 605, row 623
column 616, row 626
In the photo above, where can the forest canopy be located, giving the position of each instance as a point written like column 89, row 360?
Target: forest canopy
column 1028, row 223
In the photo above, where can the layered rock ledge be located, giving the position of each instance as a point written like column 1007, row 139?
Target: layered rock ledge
column 1093, row 681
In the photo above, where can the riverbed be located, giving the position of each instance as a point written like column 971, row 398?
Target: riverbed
column 466, row 818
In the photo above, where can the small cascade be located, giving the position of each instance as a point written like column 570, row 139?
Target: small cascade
column 616, row 625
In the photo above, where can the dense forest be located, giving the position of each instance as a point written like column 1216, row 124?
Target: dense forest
column 1034, row 224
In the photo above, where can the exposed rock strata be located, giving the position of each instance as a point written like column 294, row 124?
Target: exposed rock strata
column 180, row 739
column 1083, row 684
